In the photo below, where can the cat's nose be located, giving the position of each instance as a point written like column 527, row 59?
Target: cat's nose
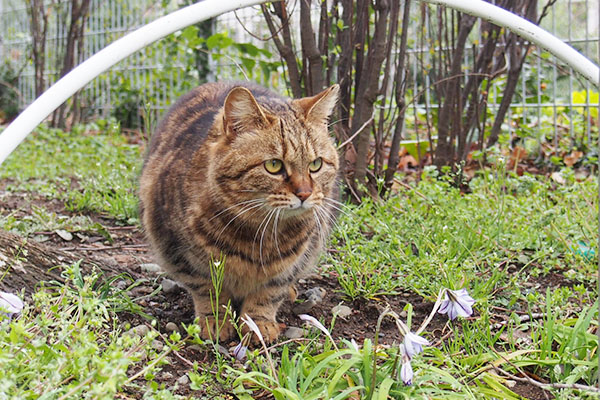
column 303, row 193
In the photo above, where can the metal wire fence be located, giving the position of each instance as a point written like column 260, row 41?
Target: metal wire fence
column 551, row 99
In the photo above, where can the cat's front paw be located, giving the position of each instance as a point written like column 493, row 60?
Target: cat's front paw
column 270, row 331
column 209, row 328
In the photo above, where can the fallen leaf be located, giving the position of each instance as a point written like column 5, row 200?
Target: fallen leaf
column 572, row 158
column 406, row 162
column 519, row 153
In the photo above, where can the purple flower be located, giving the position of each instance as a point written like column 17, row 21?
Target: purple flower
column 457, row 303
column 253, row 327
column 10, row 304
column 406, row 371
column 240, row 352
column 413, row 344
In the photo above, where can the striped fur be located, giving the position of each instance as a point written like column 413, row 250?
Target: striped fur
column 205, row 192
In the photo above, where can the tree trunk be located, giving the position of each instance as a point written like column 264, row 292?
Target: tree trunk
column 79, row 12
column 284, row 44
column 39, row 27
column 368, row 89
column 310, row 53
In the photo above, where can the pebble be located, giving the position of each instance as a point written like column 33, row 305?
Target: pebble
column 170, row 286
column 65, row 235
column 140, row 330
column 151, row 268
column 195, row 347
column 341, row 311
column 316, row 294
column 157, row 345
column 121, row 284
column 183, row 380
column 294, row 333
column 403, row 314
column 313, row 297
column 171, row 327
column 224, row 351
column 166, row 376
column 304, row 307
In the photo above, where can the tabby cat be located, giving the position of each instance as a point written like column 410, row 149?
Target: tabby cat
column 235, row 170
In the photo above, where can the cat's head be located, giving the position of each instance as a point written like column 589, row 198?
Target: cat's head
column 278, row 152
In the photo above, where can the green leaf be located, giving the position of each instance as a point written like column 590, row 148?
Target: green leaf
column 384, row 389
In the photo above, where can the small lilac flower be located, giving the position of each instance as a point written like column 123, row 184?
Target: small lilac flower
column 456, row 303
column 413, row 344
column 253, row 327
column 10, row 304
column 406, row 371
column 315, row 322
column 240, row 352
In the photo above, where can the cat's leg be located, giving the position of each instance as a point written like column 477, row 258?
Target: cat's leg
column 207, row 310
column 262, row 307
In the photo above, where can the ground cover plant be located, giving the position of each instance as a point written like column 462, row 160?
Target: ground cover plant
column 523, row 246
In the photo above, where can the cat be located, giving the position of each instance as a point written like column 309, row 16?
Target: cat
column 236, row 171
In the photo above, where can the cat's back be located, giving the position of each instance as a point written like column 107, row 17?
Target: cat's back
column 188, row 122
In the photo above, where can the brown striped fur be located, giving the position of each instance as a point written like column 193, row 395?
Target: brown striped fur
column 205, row 192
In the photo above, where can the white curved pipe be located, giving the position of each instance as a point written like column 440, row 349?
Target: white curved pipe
column 525, row 29
column 50, row 100
column 64, row 88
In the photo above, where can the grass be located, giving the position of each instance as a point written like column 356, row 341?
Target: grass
column 525, row 247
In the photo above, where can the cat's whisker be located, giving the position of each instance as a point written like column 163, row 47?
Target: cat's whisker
column 262, row 235
column 275, row 231
column 264, row 221
column 253, row 201
column 243, row 211
column 330, row 203
column 328, row 215
column 320, row 225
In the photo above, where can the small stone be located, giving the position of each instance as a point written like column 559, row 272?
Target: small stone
column 195, row 347
column 223, row 351
column 403, row 314
column 157, row 345
column 166, row 376
column 294, row 333
column 121, row 284
column 171, row 327
column 111, row 262
column 341, row 311
column 170, row 286
column 183, row 380
column 303, row 308
column 315, row 294
column 65, row 235
column 151, row 268
column 140, row 330
column 302, row 281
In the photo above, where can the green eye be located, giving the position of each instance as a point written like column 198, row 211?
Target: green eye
column 315, row 165
column 273, row 166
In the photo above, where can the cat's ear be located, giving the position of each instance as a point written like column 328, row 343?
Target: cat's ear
column 242, row 112
column 318, row 108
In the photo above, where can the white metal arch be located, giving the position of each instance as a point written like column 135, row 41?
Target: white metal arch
column 58, row 93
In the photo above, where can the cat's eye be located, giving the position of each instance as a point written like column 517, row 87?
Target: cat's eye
column 315, row 165
column 274, row 166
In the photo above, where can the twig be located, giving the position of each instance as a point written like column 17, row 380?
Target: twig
column 138, row 247
column 262, row 39
column 357, row 132
column 276, row 345
column 546, row 386
column 404, row 185
column 522, row 318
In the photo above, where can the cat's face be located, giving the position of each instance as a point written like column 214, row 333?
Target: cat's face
column 280, row 157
